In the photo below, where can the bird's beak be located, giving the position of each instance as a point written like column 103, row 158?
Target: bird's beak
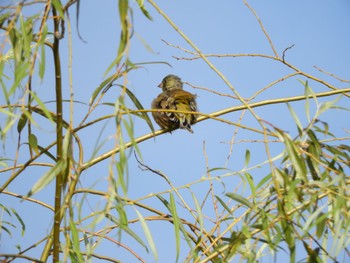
column 160, row 85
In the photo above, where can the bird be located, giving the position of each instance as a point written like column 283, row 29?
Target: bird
column 173, row 97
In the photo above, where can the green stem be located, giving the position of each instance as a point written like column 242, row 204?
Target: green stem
column 55, row 240
column 59, row 135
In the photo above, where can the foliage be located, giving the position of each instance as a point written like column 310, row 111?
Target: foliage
column 299, row 206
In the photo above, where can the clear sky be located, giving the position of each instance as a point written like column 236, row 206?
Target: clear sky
column 319, row 31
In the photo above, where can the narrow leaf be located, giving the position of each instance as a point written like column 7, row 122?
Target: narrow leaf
column 297, row 162
column 76, row 242
column 33, row 143
column 143, row 9
column 148, row 234
column 296, row 119
column 42, row 107
column 329, row 104
column 176, row 225
column 240, row 199
column 58, row 168
column 22, row 123
column 107, row 82
column 19, row 220
column 247, row 158
column 139, row 107
column 223, row 204
column 199, row 212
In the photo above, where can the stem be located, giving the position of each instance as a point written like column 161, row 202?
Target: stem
column 54, row 239
column 59, row 135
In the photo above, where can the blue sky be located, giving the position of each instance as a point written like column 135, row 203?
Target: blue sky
column 319, row 31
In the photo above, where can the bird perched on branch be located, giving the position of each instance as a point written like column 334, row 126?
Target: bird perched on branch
column 174, row 97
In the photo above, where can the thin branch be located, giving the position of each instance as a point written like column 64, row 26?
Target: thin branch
column 29, row 199
column 284, row 51
column 262, row 28
column 332, row 75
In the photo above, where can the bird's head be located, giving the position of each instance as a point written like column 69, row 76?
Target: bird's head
column 170, row 82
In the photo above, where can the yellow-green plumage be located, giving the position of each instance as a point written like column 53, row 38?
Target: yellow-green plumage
column 174, row 97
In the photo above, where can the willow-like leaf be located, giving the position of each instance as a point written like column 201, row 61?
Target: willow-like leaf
column 19, row 220
column 42, row 107
column 127, row 230
column 240, row 199
column 107, row 82
column 139, row 106
column 143, row 9
column 176, row 221
column 57, row 169
column 296, row 119
column 296, row 160
column 76, row 253
column 148, row 234
column 224, row 205
column 22, row 122
column 33, row 143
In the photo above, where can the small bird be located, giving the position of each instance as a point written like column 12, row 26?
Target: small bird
column 174, row 97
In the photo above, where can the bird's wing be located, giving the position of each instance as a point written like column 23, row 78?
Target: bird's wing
column 181, row 94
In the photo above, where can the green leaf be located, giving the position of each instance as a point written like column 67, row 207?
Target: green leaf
column 223, row 204
column 143, row 9
column 240, row 199
column 105, row 84
column 263, row 181
column 328, row 105
column 321, row 224
column 176, row 225
column 199, row 212
column 58, row 6
column 247, row 158
column 139, row 106
column 76, row 243
column 250, row 180
column 57, row 169
column 296, row 119
column 33, row 143
column 127, row 230
column 42, row 107
column 148, row 234
column 46, row 152
column 67, row 147
column 22, row 122
column 124, row 36
column 308, row 91
column 218, row 169
column 296, row 160
column 42, row 62
column 312, row 220
column 19, row 220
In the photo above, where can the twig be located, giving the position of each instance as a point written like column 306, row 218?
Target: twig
column 262, row 28
column 332, row 75
column 212, row 91
column 284, row 51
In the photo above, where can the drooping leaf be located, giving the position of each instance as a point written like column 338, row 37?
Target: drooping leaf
column 22, row 122
column 143, row 9
column 176, row 222
column 47, row 178
column 296, row 119
column 77, row 255
column 19, row 220
column 240, row 199
column 139, row 106
column 296, row 160
column 33, row 142
column 224, row 205
column 148, row 234
column 107, row 82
